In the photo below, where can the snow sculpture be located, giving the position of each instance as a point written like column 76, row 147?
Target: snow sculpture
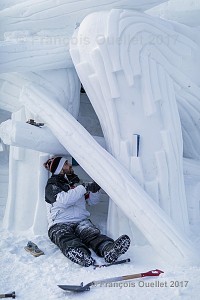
column 134, row 86
column 135, row 69
column 139, row 206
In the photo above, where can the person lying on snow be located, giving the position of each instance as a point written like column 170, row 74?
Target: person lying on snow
column 69, row 226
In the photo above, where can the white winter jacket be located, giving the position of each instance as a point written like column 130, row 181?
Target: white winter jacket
column 70, row 206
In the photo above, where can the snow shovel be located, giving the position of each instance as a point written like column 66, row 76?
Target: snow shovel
column 83, row 288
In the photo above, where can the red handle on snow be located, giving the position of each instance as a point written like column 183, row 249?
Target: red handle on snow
column 139, row 275
column 152, row 273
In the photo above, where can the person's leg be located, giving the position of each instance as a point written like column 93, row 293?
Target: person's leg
column 91, row 236
column 71, row 246
column 101, row 244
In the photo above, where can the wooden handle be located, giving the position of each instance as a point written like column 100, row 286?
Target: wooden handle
column 127, row 277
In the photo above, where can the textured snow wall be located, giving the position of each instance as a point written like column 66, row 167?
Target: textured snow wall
column 37, row 33
column 185, row 11
column 130, row 70
column 192, row 183
column 62, row 83
column 136, row 205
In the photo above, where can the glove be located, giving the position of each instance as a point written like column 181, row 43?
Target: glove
column 91, row 187
column 73, row 179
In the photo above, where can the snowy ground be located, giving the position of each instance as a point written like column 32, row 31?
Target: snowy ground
column 37, row 278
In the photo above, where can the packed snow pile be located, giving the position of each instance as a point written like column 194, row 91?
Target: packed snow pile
column 135, row 132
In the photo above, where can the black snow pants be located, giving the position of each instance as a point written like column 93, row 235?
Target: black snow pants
column 83, row 234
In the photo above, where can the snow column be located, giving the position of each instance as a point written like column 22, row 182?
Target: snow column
column 130, row 68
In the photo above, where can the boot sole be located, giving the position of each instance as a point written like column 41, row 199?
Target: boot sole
column 120, row 247
column 79, row 257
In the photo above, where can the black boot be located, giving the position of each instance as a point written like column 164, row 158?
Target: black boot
column 80, row 256
column 112, row 251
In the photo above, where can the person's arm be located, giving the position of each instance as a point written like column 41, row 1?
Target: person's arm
column 72, row 196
